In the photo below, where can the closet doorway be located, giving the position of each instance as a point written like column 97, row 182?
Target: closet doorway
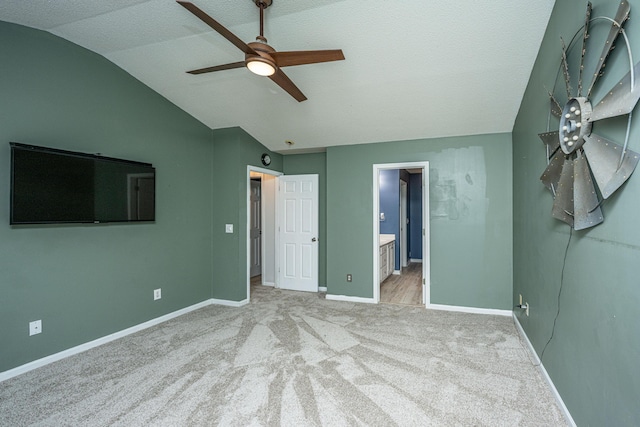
column 261, row 227
column 401, row 233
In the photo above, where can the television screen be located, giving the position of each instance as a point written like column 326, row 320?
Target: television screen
column 55, row 186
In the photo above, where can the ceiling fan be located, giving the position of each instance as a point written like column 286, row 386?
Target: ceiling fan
column 259, row 57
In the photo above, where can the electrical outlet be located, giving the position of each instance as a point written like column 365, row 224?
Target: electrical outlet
column 526, row 304
column 520, row 299
column 349, row 277
column 228, row 228
column 35, row 327
column 157, row 294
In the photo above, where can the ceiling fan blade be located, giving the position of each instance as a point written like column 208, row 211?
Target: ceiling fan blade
column 621, row 17
column 587, row 212
column 301, row 57
column 218, row 68
column 285, row 83
column 216, row 26
column 604, row 157
column 563, row 202
column 619, row 100
column 551, row 175
column 551, row 140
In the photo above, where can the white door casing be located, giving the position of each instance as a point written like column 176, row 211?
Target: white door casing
column 298, row 231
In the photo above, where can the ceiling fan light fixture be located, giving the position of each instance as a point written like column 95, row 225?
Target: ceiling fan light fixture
column 261, row 67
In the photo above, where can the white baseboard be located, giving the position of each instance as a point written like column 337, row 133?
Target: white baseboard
column 322, row 289
column 228, row 303
column 419, row 260
column 474, row 310
column 544, row 372
column 396, row 272
column 98, row 342
column 349, row 298
column 112, row 337
column 270, row 284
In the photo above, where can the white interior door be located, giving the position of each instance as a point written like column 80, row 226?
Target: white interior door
column 298, row 212
column 255, row 229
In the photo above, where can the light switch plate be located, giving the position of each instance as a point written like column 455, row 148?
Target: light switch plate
column 228, row 228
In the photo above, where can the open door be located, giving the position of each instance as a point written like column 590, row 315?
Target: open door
column 298, row 232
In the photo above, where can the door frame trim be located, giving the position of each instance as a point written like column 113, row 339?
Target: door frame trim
column 426, row 255
column 257, row 169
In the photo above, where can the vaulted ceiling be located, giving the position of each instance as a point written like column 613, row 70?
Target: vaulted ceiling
column 413, row 68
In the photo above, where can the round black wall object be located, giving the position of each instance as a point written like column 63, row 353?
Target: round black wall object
column 266, row 159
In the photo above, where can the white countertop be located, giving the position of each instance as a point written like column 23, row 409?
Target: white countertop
column 386, row 239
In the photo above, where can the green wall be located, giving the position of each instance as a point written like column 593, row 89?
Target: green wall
column 87, row 281
column 471, row 217
column 315, row 163
column 234, row 150
column 593, row 356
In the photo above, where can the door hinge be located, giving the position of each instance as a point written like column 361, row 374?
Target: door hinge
column 423, row 232
column 424, row 282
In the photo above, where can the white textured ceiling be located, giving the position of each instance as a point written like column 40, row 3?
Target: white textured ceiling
column 413, row 68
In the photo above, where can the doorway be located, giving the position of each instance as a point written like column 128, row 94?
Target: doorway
column 261, row 227
column 399, row 242
column 255, row 229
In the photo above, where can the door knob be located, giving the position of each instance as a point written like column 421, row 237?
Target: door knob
column 313, row 239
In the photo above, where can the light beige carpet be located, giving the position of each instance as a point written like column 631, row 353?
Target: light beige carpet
column 294, row 359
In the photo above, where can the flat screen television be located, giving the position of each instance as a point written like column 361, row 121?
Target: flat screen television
column 51, row 186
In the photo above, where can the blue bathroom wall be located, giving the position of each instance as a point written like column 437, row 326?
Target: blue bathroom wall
column 414, row 229
column 390, row 205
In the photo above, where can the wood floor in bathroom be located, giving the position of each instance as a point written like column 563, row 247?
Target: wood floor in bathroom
column 405, row 288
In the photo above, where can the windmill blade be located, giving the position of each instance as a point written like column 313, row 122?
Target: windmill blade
column 587, row 212
column 301, row 57
column 237, row 42
column 621, row 17
column 281, row 79
column 551, row 175
column 619, row 100
column 556, row 109
column 563, row 202
column 551, row 140
column 218, row 68
column 604, row 158
column 585, row 36
column 565, row 70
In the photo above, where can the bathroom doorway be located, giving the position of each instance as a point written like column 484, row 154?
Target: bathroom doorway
column 400, row 235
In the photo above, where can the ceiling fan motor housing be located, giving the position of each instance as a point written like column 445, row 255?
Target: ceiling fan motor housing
column 263, row 51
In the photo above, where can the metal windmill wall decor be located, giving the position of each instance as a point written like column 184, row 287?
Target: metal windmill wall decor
column 576, row 155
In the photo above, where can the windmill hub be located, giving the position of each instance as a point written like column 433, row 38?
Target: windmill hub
column 574, row 124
